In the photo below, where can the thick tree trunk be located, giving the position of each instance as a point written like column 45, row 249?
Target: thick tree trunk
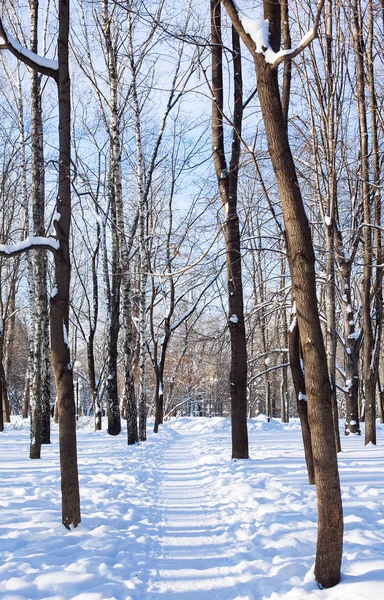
column 60, row 354
column 318, row 391
column 302, row 266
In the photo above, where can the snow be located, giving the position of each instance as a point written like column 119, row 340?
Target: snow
column 234, row 319
column 328, row 220
column 29, row 242
column 47, row 63
column 176, row 519
column 258, row 30
column 355, row 335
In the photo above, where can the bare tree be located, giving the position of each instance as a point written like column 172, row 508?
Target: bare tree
column 59, row 306
column 302, row 267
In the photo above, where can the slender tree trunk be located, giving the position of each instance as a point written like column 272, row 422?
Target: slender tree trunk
column 3, row 381
column 298, row 379
column 284, row 326
column 113, row 326
column 40, row 389
column 142, row 329
column 376, row 205
column 351, row 354
column 28, row 258
column 26, row 397
column 368, row 342
column 115, row 150
column 228, row 183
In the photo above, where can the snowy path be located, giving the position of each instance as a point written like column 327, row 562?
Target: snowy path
column 175, row 518
column 191, row 546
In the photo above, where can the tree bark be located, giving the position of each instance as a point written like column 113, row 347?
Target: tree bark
column 368, row 342
column 298, row 379
column 228, row 183
column 302, row 266
column 40, row 389
column 60, row 354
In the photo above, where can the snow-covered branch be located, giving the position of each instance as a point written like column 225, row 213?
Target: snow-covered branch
column 45, row 66
column 29, row 243
column 257, row 29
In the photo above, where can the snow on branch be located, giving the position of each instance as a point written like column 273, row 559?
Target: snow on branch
column 28, row 244
column 43, row 65
column 258, row 30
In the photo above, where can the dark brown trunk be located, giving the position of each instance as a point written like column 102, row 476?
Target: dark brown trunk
column 227, row 182
column 1, row 407
column 60, row 354
column 302, row 267
column 113, row 409
column 295, row 361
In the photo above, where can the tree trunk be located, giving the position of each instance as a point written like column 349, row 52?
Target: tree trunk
column 352, row 345
column 1, row 408
column 298, row 379
column 302, row 266
column 228, row 184
column 113, row 325
column 369, row 374
column 40, row 389
column 60, row 354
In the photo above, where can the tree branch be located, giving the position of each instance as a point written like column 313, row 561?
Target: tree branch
column 45, row 66
column 36, row 243
column 256, row 28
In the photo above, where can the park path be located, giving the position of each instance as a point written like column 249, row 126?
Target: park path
column 190, row 557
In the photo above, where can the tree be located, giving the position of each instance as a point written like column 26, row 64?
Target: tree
column 40, row 392
column 302, row 268
column 59, row 304
column 227, row 179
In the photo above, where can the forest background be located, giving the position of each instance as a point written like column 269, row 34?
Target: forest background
column 142, row 324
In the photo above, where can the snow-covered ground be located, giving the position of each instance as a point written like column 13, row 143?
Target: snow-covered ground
column 175, row 519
